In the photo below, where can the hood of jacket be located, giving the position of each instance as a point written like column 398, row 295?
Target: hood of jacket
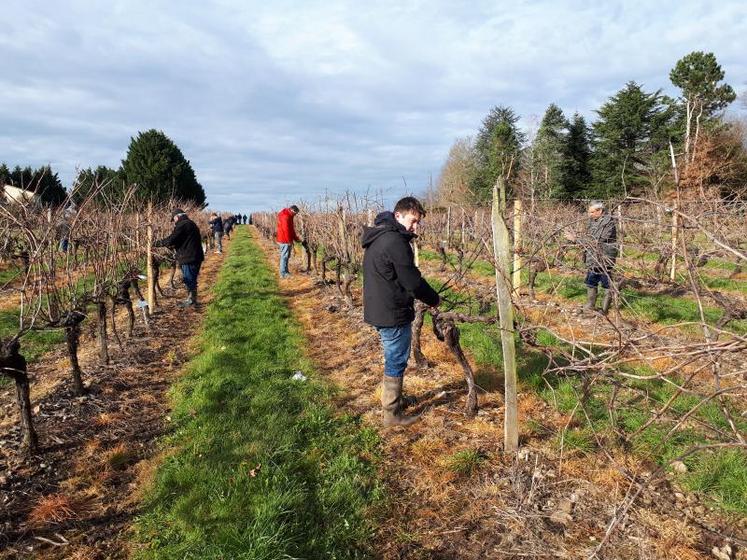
column 384, row 223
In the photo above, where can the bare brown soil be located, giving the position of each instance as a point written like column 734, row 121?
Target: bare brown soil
column 78, row 496
column 453, row 493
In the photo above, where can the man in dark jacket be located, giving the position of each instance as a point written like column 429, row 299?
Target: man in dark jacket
column 391, row 283
column 189, row 255
column 228, row 227
column 600, row 253
column 216, row 225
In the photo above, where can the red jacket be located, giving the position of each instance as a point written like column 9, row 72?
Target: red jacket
column 286, row 231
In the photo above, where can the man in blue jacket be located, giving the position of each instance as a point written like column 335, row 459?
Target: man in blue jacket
column 391, row 283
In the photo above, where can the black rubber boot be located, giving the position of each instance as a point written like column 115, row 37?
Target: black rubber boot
column 391, row 403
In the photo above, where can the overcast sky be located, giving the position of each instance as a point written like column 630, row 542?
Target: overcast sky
column 275, row 101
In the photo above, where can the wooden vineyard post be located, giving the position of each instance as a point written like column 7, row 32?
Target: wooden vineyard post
column 370, row 217
column 149, row 249
column 502, row 253
column 343, row 234
column 462, row 228
column 620, row 230
column 137, row 231
column 517, row 246
column 416, row 252
column 675, row 225
column 448, row 227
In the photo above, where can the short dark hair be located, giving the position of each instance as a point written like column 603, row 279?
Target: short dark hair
column 295, row 209
column 409, row 204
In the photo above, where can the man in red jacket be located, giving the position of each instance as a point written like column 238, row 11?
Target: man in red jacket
column 286, row 237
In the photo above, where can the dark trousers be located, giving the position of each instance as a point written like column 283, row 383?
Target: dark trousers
column 189, row 275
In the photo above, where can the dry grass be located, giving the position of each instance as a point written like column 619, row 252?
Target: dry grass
column 55, row 508
column 673, row 539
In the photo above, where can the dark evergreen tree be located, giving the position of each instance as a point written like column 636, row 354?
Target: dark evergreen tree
column 633, row 127
column 498, row 146
column 575, row 171
column 22, row 177
column 159, row 169
column 48, row 187
column 4, row 175
column 108, row 182
column 548, row 152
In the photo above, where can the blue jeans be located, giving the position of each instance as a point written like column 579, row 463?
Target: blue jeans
column 594, row 278
column 396, row 343
column 285, row 253
column 189, row 275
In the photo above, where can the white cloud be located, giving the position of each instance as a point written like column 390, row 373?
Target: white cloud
column 272, row 101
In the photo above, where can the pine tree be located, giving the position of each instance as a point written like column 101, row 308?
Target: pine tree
column 575, row 172
column 48, row 186
column 548, row 151
column 106, row 181
column 497, row 147
column 698, row 75
column 159, row 169
column 633, row 127
column 4, row 175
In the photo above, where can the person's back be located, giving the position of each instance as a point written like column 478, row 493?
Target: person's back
column 187, row 242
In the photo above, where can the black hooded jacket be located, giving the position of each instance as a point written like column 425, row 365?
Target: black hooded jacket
column 391, row 281
column 187, row 241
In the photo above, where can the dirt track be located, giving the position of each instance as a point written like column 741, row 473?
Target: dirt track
column 453, row 494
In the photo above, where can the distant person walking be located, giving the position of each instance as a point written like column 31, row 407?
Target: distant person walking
column 286, row 236
column 244, row 217
column 216, row 225
column 228, row 227
column 185, row 238
column 600, row 252
column 391, row 283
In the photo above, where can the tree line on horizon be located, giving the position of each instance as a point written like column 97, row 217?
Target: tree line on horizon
column 627, row 151
column 153, row 163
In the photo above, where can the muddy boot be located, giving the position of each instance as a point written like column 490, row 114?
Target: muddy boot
column 591, row 299
column 391, row 403
column 606, row 302
column 408, row 401
column 191, row 300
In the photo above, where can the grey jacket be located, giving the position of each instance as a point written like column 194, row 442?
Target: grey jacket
column 601, row 243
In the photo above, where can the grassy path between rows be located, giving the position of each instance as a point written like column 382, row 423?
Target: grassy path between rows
column 258, row 465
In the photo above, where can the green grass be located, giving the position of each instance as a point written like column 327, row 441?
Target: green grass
column 262, row 467
column 9, row 274
column 661, row 309
column 724, row 486
column 34, row 343
column 466, row 462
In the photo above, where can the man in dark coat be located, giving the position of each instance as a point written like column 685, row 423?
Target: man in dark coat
column 186, row 239
column 600, row 252
column 228, row 227
column 216, row 225
column 391, row 283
